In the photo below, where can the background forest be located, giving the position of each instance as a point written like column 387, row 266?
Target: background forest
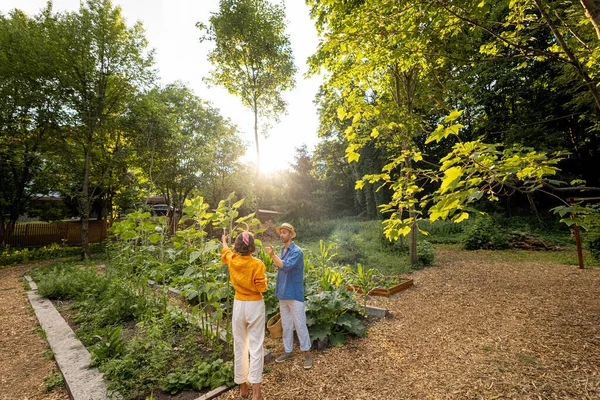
column 430, row 110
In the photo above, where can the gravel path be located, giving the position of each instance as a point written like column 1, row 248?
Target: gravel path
column 24, row 367
column 467, row 330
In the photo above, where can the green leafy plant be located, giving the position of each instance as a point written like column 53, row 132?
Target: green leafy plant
column 12, row 256
column 484, row 234
column 594, row 247
column 203, row 374
column 363, row 279
column 425, row 253
column 54, row 380
column 109, row 344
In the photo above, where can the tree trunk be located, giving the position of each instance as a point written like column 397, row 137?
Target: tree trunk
column 534, row 209
column 370, row 206
column 2, row 239
column 257, row 177
column 412, row 250
column 85, row 199
column 592, row 11
column 7, row 228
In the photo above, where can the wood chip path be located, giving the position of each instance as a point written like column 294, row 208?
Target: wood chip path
column 467, row 330
column 24, row 365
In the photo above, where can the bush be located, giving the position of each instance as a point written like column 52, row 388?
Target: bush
column 484, row 234
column 65, row 282
column 594, row 248
column 13, row 256
column 443, row 232
column 425, row 253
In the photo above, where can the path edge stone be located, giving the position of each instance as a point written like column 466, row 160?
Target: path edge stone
column 73, row 359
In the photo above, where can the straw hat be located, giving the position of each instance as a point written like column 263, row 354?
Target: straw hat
column 287, row 226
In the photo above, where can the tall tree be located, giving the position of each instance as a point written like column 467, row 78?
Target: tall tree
column 30, row 113
column 183, row 145
column 252, row 57
column 301, row 187
column 384, row 68
column 103, row 64
column 395, row 63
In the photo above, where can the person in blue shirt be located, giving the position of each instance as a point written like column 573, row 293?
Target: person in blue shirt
column 289, row 289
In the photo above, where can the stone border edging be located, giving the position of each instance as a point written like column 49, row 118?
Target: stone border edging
column 73, row 359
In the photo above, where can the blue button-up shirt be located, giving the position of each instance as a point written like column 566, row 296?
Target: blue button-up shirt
column 290, row 278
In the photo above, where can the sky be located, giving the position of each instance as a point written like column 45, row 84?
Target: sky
column 171, row 31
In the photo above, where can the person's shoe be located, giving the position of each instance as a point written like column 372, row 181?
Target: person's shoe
column 284, row 357
column 308, row 361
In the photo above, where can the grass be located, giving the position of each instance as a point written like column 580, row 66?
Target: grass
column 357, row 242
column 529, row 360
column 566, row 255
column 363, row 242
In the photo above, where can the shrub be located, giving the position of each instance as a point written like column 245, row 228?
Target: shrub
column 425, row 253
column 13, row 256
column 594, row 247
column 65, row 282
column 484, row 234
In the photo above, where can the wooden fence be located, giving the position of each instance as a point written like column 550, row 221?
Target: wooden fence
column 43, row 234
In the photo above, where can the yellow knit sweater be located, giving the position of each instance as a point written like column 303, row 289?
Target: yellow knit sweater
column 247, row 274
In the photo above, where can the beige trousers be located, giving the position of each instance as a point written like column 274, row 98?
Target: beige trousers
column 248, row 325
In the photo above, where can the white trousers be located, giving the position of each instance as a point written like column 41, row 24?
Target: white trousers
column 294, row 315
column 248, row 326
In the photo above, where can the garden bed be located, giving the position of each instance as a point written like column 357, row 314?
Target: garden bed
column 384, row 291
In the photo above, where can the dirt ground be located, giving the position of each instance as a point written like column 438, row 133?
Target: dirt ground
column 24, row 353
column 470, row 328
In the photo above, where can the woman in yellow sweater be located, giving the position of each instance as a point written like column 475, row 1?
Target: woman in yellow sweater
column 247, row 275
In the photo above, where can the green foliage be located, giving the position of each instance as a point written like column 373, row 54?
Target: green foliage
column 203, row 374
column 54, row 380
column 594, row 247
column 67, row 281
column 12, row 256
column 391, row 86
column 484, row 234
column 176, row 134
column 135, row 339
column 325, row 310
column 313, row 231
column 253, row 56
column 29, row 121
column 359, row 242
column 109, row 345
column 363, row 279
column 425, row 253
column 443, row 231
column 586, row 216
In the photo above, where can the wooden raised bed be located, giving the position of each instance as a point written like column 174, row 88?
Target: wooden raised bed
column 382, row 291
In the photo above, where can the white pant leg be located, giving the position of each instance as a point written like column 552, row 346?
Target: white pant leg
column 299, row 316
column 255, row 317
column 240, row 342
column 287, row 324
